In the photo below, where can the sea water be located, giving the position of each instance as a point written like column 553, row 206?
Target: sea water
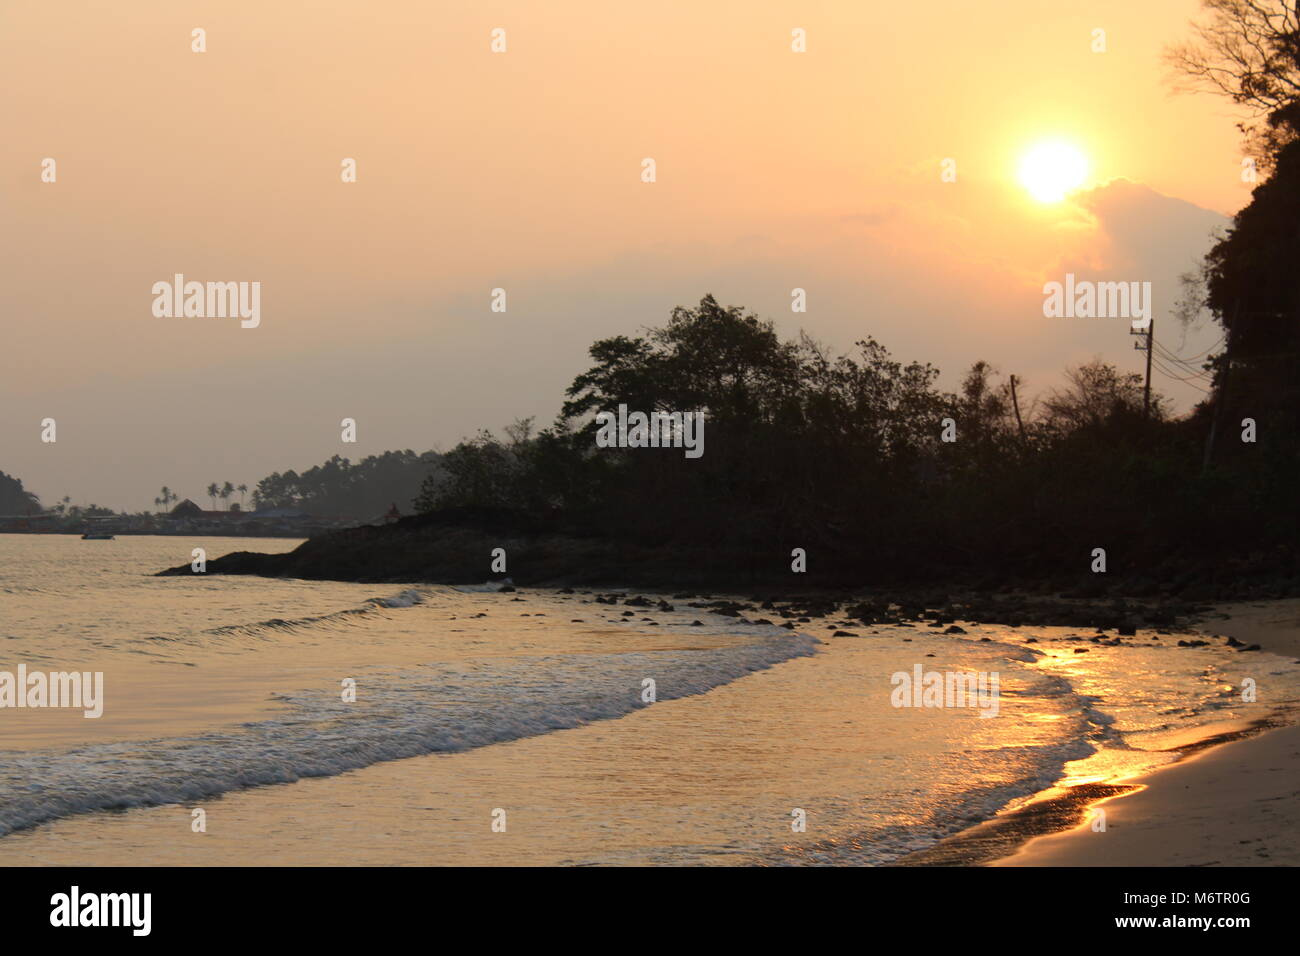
column 250, row 720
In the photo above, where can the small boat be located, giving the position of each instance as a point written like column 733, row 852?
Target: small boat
column 97, row 536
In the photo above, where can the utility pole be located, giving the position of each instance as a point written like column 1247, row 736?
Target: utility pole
column 1220, row 399
column 1146, row 389
column 1220, row 394
column 1016, row 405
column 1145, row 345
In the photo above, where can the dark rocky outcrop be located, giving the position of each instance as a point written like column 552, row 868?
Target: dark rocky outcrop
column 454, row 546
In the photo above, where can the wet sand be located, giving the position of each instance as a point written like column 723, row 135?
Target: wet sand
column 1234, row 800
column 1231, row 805
column 718, row 772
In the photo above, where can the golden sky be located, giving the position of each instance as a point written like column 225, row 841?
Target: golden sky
column 521, row 170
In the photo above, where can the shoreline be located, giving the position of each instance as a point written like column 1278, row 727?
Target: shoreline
column 1232, row 803
column 1142, row 802
column 1228, row 799
column 454, row 547
column 1023, row 836
column 1047, row 827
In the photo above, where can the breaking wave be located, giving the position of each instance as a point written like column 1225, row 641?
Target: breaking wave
column 442, row 708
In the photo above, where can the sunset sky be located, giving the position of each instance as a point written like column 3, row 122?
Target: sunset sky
column 522, row 170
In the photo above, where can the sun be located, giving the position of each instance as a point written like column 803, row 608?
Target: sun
column 1052, row 170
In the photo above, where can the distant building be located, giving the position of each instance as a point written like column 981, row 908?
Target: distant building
column 279, row 514
column 189, row 518
column 45, row 521
column 187, row 509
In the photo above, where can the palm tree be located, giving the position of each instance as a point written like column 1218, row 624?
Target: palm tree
column 213, row 491
column 226, row 491
column 243, row 490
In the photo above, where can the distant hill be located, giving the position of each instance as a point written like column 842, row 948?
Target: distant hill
column 15, row 499
column 339, row 487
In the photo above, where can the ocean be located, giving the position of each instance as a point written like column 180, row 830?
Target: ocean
column 264, row 721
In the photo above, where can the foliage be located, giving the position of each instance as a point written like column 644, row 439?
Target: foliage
column 338, row 487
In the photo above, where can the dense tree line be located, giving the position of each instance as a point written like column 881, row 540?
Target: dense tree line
column 15, row 499
column 339, row 487
column 845, row 455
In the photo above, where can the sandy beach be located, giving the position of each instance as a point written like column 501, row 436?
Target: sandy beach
column 1230, row 804
column 762, row 744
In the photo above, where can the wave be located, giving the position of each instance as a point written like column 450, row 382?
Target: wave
column 487, row 587
column 881, row 846
column 408, row 598
column 443, row 708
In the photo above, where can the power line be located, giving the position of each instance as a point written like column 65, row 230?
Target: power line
column 1193, row 358
column 1223, row 340
column 1173, row 372
column 1185, row 364
column 1189, row 382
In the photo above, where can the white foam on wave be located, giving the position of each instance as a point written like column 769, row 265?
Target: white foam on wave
column 487, row 587
column 442, row 708
column 408, row 598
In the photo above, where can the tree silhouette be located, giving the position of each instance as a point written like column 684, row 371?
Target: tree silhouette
column 15, row 499
column 362, row 490
column 1249, row 52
